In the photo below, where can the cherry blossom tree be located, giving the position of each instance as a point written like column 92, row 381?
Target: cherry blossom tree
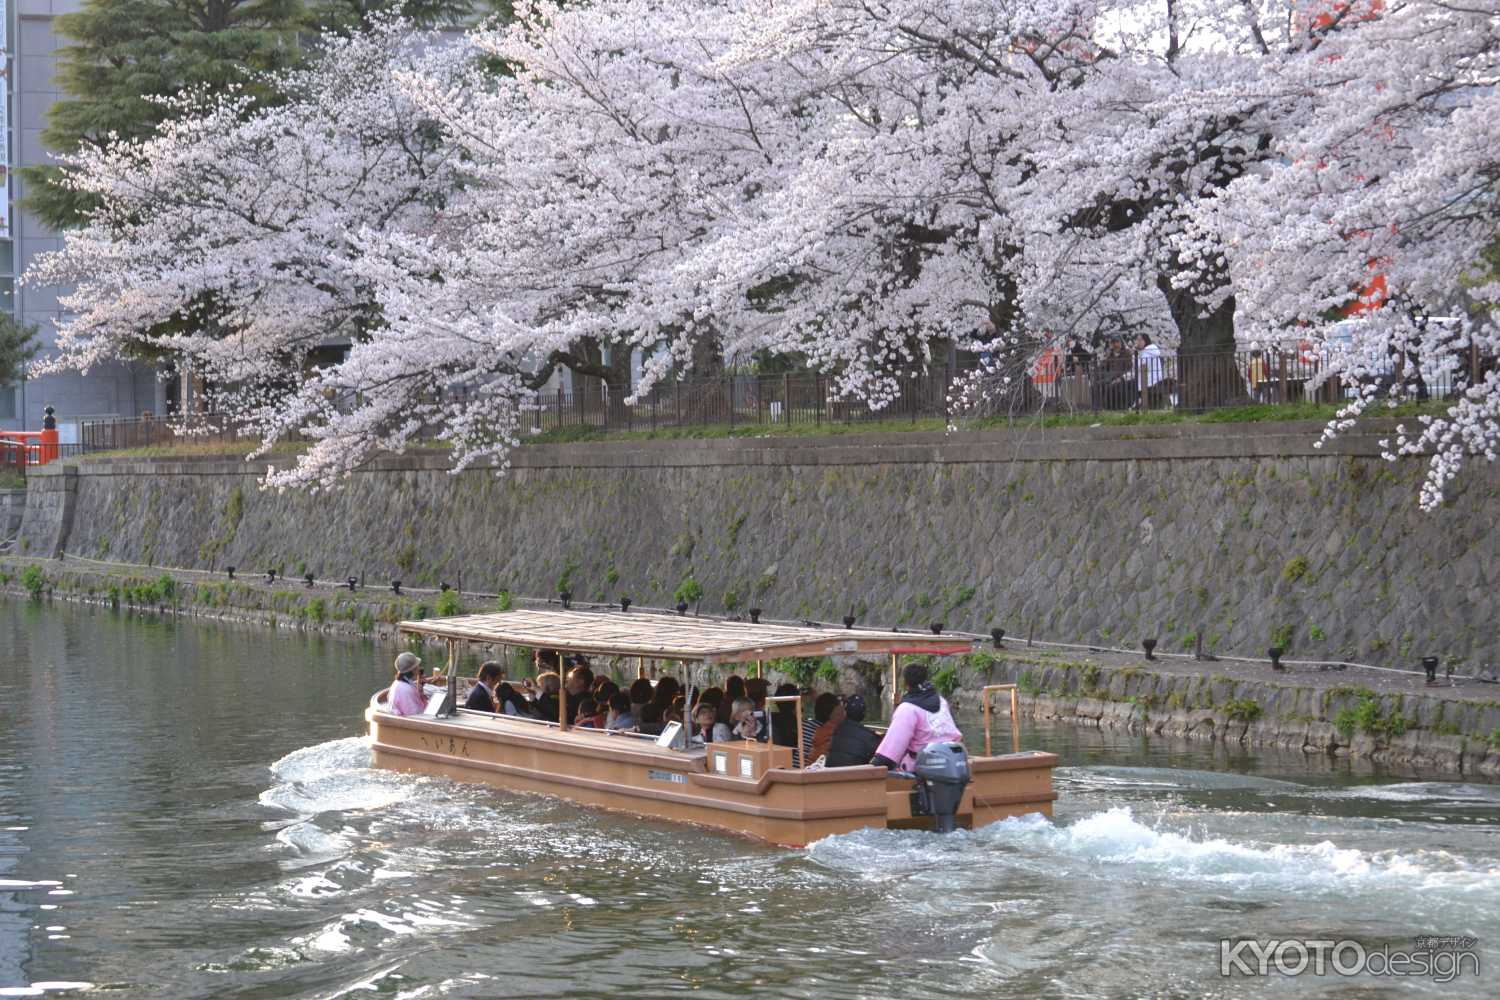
column 855, row 183
column 230, row 241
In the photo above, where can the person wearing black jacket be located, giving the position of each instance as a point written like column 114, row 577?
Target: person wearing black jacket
column 482, row 698
column 854, row 743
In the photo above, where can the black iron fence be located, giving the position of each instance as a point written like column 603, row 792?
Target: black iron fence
column 1053, row 383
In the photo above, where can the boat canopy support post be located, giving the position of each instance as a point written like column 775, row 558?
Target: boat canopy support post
column 796, row 699
column 895, row 681
column 1015, row 716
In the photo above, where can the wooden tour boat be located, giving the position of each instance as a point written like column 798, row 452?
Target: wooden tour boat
column 746, row 787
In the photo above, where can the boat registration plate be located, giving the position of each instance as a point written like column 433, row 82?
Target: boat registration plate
column 672, row 776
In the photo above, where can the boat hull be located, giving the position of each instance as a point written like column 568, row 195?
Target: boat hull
column 781, row 806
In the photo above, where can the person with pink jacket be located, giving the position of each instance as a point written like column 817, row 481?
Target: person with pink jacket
column 407, row 696
column 923, row 717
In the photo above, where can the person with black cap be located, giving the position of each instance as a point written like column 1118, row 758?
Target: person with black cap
column 853, row 743
column 923, row 717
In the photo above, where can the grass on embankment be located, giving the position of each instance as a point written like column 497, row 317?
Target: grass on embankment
column 1254, row 413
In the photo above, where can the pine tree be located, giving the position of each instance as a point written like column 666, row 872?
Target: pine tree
column 18, row 347
column 126, row 54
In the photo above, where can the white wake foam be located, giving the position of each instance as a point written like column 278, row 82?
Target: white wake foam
column 1113, row 844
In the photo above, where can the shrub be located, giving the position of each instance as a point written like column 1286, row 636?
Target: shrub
column 503, row 601
column 366, row 621
column 1365, row 716
column 448, row 604
column 827, row 672
column 1242, row 709
column 801, row 669
column 1295, row 569
column 316, row 610
column 34, row 580
column 689, row 591
column 945, row 678
column 1027, row 684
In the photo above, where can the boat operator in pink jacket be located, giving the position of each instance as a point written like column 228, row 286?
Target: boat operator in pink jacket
column 923, row 717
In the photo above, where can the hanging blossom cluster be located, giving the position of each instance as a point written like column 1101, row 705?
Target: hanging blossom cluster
column 855, row 184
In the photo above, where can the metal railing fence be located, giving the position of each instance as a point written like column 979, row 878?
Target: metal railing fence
column 1051, row 384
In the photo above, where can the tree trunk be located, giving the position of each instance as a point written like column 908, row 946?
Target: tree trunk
column 587, row 390
column 619, row 385
column 1207, row 374
column 705, row 392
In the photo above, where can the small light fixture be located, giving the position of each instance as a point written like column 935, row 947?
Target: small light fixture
column 624, row 603
column 755, row 616
column 682, row 607
column 353, row 583
column 997, row 636
column 937, row 628
column 1275, row 654
column 1149, row 645
column 307, row 580
column 270, row 576
column 230, row 571
column 1429, row 666
column 565, row 596
column 849, row 620
column 395, row 586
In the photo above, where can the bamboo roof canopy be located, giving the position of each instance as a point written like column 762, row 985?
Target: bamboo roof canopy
column 674, row 637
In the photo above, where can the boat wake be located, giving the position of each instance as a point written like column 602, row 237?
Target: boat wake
column 1115, row 845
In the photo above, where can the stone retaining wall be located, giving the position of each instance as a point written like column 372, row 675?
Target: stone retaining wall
column 1243, row 533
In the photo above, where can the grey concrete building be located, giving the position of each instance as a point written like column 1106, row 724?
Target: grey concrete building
column 114, row 390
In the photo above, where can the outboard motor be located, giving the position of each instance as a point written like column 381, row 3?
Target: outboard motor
column 942, row 771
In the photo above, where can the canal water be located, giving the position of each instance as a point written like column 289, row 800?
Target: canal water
column 187, row 810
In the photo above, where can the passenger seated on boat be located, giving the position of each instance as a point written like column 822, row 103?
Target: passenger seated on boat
column 666, row 690
column 511, row 701
column 705, row 722
column 483, row 698
column 711, row 696
column 810, row 722
column 589, row 716
column 640, row 694
column 675, row 712
column 604, row 690
column 621, row 717
column 756, row 689
column 649, row 720
column 828, row 712
column 742, row 724
column 580, row 682
column 923, row 717
column 734, row 690
column 547, row 686
column 853, row 742
column 406, row 697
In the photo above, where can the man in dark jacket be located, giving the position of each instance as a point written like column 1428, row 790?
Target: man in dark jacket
column 853, row 742
column 482, row 698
